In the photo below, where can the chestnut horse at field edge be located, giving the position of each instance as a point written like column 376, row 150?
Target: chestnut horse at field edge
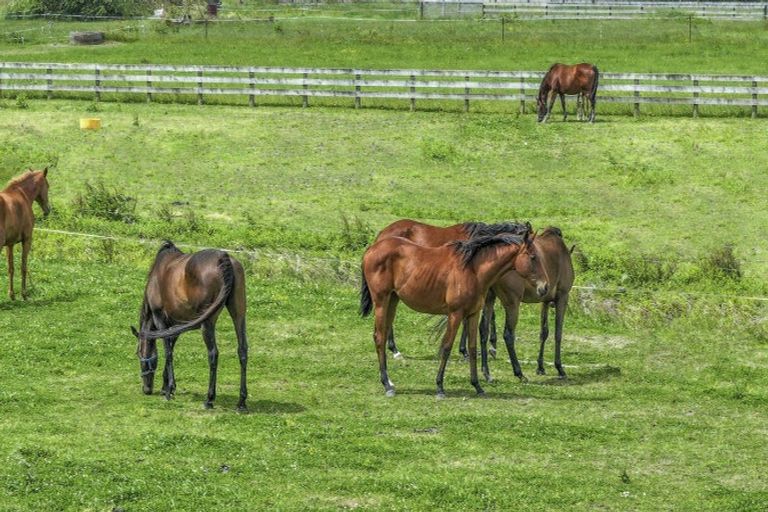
column 17, row 219
column 435, row 236
column 451, row 280
column 184, row 292
column 561, row 79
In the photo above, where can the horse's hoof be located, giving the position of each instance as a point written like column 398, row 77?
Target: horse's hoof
column 208, row 405
column 523, row 379
column 390, row 393
column 562, row 376
column 481, row 394
column 242, row 408
column 12, row 296
column 397, row 355
column 488, row 377
column 440, row 395
column 541, row 371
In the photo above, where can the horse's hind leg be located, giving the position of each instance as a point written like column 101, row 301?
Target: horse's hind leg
column 384, row 314
column 445, row 351
column 580, row 99
column 26, row 245
column 543, row 337
column 485, row 321
column 512, row 310
column 209, row 336
column 236, row 307
column 470, row 324
column 391, row 343
column 9, row 254
column 562, row 102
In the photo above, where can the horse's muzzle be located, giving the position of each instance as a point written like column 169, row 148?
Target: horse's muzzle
column 542, row 289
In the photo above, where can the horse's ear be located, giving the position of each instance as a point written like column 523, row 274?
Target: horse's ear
column 135, row 332
column 45, row 172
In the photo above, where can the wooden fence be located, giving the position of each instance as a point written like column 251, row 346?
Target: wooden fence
column 129, row 82
column 598, row 9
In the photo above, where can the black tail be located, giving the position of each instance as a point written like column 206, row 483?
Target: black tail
column 366, row 302
column 593, row 92
column 228, row 276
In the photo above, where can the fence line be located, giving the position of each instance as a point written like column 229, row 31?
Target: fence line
column 290, row 257
column 408, row 85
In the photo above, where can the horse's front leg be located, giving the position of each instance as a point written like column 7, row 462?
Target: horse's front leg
column 512, row 310
column 560, row 306
column 169, row 380
column 562, row 102
column 391, row 345
column 9, row 253
column 552, row 98
column 26, row 245
column 485, row 319
column 209, row 336
column 471, row 326
column 543, row 334
column 454, row 319
column 580, row 99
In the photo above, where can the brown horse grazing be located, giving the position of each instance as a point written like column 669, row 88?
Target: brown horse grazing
column 452, row 280
column 561, row 79
column 512, row 289
column 17, row 219
column 183, row 292
column 435, row 236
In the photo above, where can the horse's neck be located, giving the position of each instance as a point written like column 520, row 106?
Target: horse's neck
column 494, row 262
column 27, row 187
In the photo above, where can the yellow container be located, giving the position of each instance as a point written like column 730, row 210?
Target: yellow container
column 90, row 123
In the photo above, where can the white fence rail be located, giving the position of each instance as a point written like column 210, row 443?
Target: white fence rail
column 598, row 9
column 147, row 81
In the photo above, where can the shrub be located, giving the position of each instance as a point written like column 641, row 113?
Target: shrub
column 84, row 7
column 100, row 202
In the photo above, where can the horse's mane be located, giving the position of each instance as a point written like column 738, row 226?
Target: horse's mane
column 167, row 245
column 475, row 229
column 18, row 179
column 467, row 250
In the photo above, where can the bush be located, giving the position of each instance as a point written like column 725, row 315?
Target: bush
column 100, row 202
column 84, row 7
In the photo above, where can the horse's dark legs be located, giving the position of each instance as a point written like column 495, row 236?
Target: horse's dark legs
column 446, row 345
column 580, row 100
column 236, row 308
column 391, row 343
column 485, row 320
column 593, row 100
column 552, row 99
column 562, row 102
column 543, row 336
column 26, row 245
column 209, row 337
column 384, row 315
column 560, row 306
column 470, row 324
column 9, row 254
column 169, row 380
column 493, row 338
column 512, row 311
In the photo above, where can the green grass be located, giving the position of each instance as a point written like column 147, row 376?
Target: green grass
column 664, row 408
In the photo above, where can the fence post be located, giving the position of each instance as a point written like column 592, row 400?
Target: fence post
column 149, row 85
column 466, row 94
column 522, row 94
column 421, row 10
column 695, row 98
column 413, row 92
column 754, row 100
column 252, row 97
column 503, row 18
column 200, row 87
column 49, row 82
column 637, row 95
column 305, row 98
column 97, row 83
column 357, row 91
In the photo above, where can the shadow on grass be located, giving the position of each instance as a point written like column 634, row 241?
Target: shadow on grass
column 585, row 376
column 254, row 406
column 490, row 394
column 20, row 304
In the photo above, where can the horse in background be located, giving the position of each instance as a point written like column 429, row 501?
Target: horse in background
column 184, row 292
column 435, row 236
column 451, row 280
column 561, row 79
column 17, row 219
column 511, row 289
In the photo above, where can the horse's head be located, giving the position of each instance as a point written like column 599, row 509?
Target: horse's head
column 541, row 107
column 41, row 186
column 147, row 354
column 530, row 265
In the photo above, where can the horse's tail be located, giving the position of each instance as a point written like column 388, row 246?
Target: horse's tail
column 593, row 92
column 227, row 272
column 366, row 301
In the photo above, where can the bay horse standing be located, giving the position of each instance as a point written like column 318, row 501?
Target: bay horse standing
column 435, row 236
column 17, row 219
column 451, row 280
column 512, row 289
column 561, row 79
column 184, row 292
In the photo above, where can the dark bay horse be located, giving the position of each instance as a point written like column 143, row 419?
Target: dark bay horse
column 17, row 219
column 561, row 79
column 511, row 289
column 451, row 280
column 435, row 236
column 184, row 292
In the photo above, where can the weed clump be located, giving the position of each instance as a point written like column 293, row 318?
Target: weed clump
column 103, row 203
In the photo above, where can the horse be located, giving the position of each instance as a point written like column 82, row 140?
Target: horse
column 512, row 289
column 17, row 219
column 561, row 79
column 451, row 280
column 435, row 236
column 183, row 292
